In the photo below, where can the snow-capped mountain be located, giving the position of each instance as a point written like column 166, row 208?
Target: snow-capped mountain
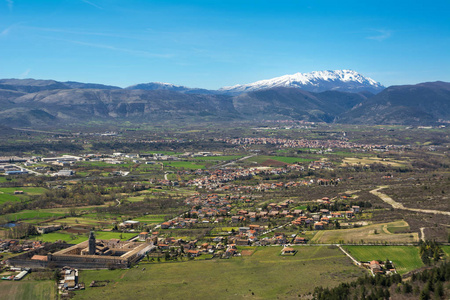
column 317, row 81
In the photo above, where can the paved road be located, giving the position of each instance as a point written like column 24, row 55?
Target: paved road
column 398, row 205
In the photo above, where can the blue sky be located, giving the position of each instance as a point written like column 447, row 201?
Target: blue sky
column 214, row 43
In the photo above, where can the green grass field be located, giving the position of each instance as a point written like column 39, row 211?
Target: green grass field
column 219, row 158
column 27, row 289
column 184, row 164
column 405, row 258
column 266, row 274
column 7, row 194
column 32, row 214
column 369, row 234
column 75, row 239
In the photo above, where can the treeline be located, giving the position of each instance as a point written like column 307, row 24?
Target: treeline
column 182, row 146
column 424, row 285
column 157, row 205
column 39, row 148
column 338, row 205
column 81, row 194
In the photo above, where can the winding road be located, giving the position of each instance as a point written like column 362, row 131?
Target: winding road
column 398, row 205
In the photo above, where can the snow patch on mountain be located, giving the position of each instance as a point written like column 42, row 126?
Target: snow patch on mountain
column 317, row 81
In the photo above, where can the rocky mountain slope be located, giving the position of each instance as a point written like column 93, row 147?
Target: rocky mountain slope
column 25, row 103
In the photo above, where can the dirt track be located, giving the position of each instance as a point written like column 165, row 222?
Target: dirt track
column 398, row 205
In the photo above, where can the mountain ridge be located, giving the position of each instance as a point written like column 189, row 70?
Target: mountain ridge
column 43, row 102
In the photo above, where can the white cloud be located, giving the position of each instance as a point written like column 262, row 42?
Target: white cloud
column 380, row 35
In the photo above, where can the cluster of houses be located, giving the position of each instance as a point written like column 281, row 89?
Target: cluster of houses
column 303, row 143
column 211, row 205
column 217, row 246
column 217, row 179
column 380, row 267
column 69, row 281
column 17, row 246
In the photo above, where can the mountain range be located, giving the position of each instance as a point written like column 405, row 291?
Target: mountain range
column 326, row 96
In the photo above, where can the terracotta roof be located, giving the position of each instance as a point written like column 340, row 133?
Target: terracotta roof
column 39, row 257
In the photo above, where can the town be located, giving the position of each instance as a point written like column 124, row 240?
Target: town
column 83, row 217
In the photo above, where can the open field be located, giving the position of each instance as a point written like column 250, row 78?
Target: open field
column 32, row 215
column 265, row 273
column 189, row 165
column 83, row 221
column 27, row 289
column 372, row 160
column 405, row 258
column 219, row 158
column 75, row 239
column 7, row 194
column 368, row 234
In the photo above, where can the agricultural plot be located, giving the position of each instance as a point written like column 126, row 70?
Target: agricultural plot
column 27, row 289
column 264, row 274
column 32, row 215
column 71, row 221
column 376, row 233
column 7, row 194
column 189, row 165
column 219, row 158
column 372, row 160
column 72, row 238
column 405, row 258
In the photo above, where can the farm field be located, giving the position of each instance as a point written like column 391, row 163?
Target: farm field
column 7, row 194
column 73, row 221
column 189, row 165
column 405, row 258
column 264, row 274
column 75, row 239
column 32, row 215
column 368, row 234
column 372, row 160
column 27, row 289
column 219, row 158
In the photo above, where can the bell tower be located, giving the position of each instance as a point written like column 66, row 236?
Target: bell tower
column 92, row 244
